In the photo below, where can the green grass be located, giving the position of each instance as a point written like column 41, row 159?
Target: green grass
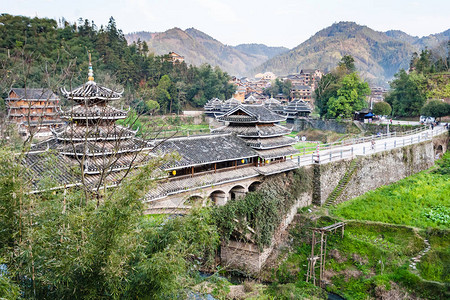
column 435, row 265
column 373, row 255
column 406, row 202
column 310, row 147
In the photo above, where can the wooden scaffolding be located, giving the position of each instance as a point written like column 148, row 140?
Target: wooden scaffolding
column 320, row 257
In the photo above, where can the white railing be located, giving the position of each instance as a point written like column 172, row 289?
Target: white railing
column 326, row 153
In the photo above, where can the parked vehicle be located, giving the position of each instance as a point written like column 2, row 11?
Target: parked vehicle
column 427, row 120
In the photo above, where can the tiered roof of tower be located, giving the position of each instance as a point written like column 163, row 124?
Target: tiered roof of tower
column 258, row 126
column 92, row 135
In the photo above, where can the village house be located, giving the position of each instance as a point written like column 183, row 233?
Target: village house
column 33, row 110
column 175, row 58
column 303, row 92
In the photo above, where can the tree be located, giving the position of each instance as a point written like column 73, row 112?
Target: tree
column 382, row 108
column 327, row 88
column 350, row 97
column 407, row 94
column 436, row 109
column 162, row 94
column 151, row 106
column 347, row 64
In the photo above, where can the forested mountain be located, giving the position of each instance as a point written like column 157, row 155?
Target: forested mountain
column 37, row 52
column 430, row 41
column 378, row 55
column 261, row 49
column 198, row 48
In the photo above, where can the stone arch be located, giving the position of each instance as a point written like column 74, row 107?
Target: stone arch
column 194, row 200
column 236, row 192
column 254, row 186
column 218, row 197
column 438, row 151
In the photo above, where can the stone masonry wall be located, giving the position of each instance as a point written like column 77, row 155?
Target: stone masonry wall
column 374, row 170
column 246, row 256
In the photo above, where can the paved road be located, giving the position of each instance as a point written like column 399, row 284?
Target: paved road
column 366, row 148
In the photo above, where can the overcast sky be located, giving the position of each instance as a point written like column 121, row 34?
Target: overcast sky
column 274, row 23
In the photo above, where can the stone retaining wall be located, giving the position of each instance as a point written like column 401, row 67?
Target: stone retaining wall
column 373, row 171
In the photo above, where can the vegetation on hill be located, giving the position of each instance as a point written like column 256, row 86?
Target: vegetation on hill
column 38, row 52
column 378, row 55
column 385, row 229
column 199, row 48
column 428, row 78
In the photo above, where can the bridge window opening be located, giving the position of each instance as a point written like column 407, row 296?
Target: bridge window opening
column 219, row 198
column 194, row 201
column 236, row 192
column 254, row 186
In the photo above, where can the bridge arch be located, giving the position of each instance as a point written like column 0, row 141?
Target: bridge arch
column 236, row 192
column 254, row 186
column 218, row 197
column 194, row 200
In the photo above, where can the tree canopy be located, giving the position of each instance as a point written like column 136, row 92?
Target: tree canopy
column 382, row 108
column 341, row 92
column 45, row 45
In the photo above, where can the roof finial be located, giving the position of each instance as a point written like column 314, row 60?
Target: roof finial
column 91, row 71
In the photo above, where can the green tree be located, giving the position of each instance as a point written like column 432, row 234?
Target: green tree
column 436, row 109
column 162, row 94
column 350, row 97
column 151, row 106
column 407, row 94
column 382, row 108
column 327, row 88
column 347, row 64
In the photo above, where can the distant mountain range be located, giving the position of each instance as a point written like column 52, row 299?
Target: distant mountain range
column 378, row 55
column 197, row 48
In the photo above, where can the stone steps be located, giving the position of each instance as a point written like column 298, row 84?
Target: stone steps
column 331, row 200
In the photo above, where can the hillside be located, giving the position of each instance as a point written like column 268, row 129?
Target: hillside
column 261, row 49
column 197, row 47
column 378, row 55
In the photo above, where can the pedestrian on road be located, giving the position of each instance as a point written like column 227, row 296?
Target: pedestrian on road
column 432, row 125
column 373, row 145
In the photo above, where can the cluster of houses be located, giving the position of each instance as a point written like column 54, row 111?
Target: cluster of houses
column 303, row 85
column 291, row 110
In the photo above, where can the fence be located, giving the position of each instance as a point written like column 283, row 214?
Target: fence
column 326, row 153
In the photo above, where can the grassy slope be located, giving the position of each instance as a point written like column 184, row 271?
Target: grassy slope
column 373, row 258
column 405, row 202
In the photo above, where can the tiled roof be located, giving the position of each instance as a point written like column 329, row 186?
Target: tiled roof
column 254, row 131
column 199, row 150
column 103, row 148
column 213, row 104
column 33, row 94
column 251, row 114
column 297, row 106
column 269, row 143
column 278, row 167
column 94, row 133
column 277, row 152
column 230, row 103
column 92, row 93
column 94, row 112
